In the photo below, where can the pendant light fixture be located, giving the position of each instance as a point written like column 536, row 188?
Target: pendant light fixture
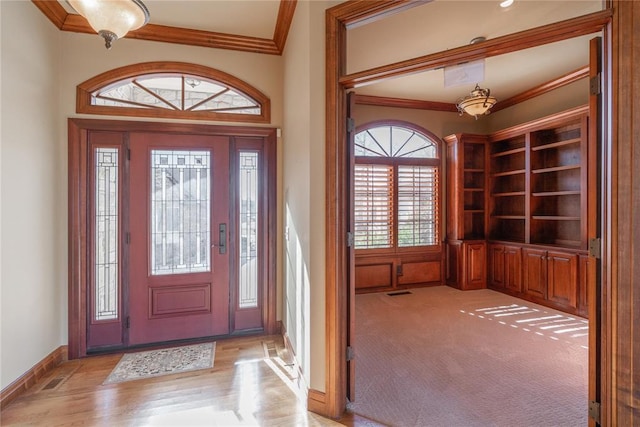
column 112, row 19
column 478, row 103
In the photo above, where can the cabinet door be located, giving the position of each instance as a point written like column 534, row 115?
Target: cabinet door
column 476, row 262
column 586, row 271
column 535, row 272
column 496, row 266
column 512, row 268
column 562, row 280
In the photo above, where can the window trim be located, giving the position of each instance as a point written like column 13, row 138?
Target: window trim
column 85, row 89
column 394, row 162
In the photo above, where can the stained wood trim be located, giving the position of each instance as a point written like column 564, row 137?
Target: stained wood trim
column 168, row 34
column 573, row 76
column 283, row 23
column 86, row 88
column 316, row 401
column 569, row 28
column 185, row 128
column 548, row 121
column 621, row 371
column 77, row 238
column 381, row 101
column 337, row 18
column 29, row 378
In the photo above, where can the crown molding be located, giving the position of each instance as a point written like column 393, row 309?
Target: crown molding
column 381, row 101
column 162, row 33
column 573, row 76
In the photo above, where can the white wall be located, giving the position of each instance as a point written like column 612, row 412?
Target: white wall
column 437, row 122
column 84, row 56
column 304, row 182
column 561, row 99
column 33, row 189
column 41, row 68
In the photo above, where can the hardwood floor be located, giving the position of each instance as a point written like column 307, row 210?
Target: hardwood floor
column 249, row 384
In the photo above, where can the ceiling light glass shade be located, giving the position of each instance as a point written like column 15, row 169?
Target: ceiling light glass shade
column 477, row 104
column 112, row 19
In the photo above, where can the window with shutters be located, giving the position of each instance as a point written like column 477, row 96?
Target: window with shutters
column 396, row 187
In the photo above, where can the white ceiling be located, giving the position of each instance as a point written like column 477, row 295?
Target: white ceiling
column 255, row 18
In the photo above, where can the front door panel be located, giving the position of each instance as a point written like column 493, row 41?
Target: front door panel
column 179, row 212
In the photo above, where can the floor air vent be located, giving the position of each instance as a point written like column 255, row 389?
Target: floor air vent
column 53, row 383
column 394, row 294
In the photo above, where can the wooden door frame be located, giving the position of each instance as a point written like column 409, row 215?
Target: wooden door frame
column 78, row 216
column 337, row 19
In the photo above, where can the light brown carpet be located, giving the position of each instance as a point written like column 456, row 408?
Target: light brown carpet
column 444, row 357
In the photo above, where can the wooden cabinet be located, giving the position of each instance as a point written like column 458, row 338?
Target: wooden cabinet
column 466, row 264
column 466, row 199
column 551, row 276
column 535, row 273
column 586, row 272
column 505, row 272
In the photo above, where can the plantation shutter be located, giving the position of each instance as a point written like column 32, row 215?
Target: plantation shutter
column 417, row 205
column 373, row 195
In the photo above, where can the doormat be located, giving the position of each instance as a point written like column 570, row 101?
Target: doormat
column 154, row 363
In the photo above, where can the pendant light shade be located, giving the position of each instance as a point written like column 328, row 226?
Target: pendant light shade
column 478, row 103
column 112, row 19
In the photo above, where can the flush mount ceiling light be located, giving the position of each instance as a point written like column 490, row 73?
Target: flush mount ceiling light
column 478, row 103
column 112, row 19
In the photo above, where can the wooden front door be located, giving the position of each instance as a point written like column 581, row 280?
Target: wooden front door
column 179, row 218
column 172, row 233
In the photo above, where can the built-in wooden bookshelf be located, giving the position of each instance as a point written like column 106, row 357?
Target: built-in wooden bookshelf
column 517, row 210
column 538, row 182
column 507, row 166
column 466, row 210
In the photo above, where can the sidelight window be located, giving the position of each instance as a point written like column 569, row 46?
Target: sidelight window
column 106, row 231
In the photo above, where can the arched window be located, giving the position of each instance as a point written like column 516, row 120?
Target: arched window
column 396, row 187
column 173, row 90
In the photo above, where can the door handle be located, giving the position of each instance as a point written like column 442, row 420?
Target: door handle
column 222, row 239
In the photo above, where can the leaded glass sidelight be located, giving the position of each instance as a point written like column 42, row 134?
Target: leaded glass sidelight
column 248, row 220
column 106, row 234
column 180, row 211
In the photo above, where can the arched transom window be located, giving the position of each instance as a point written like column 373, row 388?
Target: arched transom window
column 176, row 92
column 173, row 90
column 396, row 187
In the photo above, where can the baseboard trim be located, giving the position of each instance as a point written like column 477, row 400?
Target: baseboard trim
column 303, row 387
column 317, row 401
column 29, row 378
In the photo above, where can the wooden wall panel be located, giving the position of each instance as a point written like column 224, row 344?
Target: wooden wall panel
column 420, row 272
column 374, row 276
